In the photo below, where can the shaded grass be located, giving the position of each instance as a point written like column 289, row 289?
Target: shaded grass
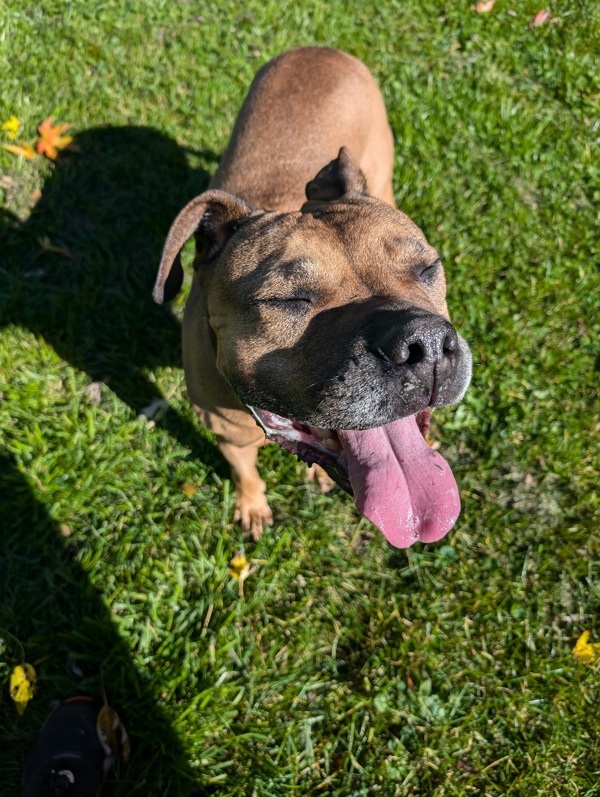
column 347, row 668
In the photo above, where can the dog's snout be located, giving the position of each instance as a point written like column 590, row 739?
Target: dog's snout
column 425, row 339
column 426, row 345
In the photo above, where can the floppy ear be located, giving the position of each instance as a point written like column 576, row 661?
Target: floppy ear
column 341, row 176
column 212, row 217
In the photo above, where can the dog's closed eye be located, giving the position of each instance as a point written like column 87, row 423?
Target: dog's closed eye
column 297, row 303
column 427, row 272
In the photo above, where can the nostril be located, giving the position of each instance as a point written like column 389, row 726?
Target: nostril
column 416, row 354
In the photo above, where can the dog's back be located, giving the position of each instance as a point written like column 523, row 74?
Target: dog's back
column 301, row 108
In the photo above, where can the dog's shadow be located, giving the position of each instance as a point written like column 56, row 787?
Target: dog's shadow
column 79, row 274
column 51, row 615
column 79, row 271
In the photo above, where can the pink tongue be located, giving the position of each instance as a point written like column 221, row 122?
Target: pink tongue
column 401, row 484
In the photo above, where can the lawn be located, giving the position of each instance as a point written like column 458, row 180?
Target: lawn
column 344, row 667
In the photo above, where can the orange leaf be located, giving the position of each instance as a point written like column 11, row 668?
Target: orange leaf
column 539, row 19
column 483, row 7
column 52, row 139
column 22, row 149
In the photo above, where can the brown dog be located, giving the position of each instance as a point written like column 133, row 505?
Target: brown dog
column 318, row 309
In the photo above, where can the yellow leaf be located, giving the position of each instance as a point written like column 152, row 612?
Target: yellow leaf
column 431, row 441
column 112, row 734
column 589, row 652
column 22, row 685
column 23, row 149
column 52, row 139
column 239, row 567
column 189, row 489
column 11, row 126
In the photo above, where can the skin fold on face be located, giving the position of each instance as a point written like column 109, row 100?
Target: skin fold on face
column 379, row 298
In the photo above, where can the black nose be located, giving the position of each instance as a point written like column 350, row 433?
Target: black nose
column 424, row 343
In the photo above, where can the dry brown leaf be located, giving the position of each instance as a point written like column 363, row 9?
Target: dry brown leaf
column 7, row 183
column 112, row 734
column 48, row 246
column 94, row 393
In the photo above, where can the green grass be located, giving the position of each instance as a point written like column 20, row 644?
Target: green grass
column 347, row 668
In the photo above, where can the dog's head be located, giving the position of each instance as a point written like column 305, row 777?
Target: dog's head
column 330, row 323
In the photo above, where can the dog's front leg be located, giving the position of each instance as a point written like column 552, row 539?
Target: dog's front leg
column 251, row 507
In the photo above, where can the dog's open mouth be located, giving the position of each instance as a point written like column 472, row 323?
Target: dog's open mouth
column 398, row 481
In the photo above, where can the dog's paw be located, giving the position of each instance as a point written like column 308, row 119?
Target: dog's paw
column 320, row 478
column 253, row 516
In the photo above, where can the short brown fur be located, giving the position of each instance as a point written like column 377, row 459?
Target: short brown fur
column 311, row 111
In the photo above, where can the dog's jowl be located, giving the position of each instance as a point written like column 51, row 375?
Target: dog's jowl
column 317, row 314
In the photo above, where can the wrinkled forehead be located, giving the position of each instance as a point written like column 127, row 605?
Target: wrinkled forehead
column 336, row 237
column 378, row 237
column 282, row 249
column 364, row 215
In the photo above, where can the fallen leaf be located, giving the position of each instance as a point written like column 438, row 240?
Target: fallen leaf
column 34, row 197
column 189, row 489
column 51, row 139
column 239, row 567
column 23, row 149
column 112, row 735
column 11, row 126
column 588, row 652
column 539, row 19
column 482, row 8
column 65, row 530
column 7, row 183
column 22, row 685
column 48, row 246
column 94, row 393
column 432, row 442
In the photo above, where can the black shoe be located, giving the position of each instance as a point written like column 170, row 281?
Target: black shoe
column 67, row 759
